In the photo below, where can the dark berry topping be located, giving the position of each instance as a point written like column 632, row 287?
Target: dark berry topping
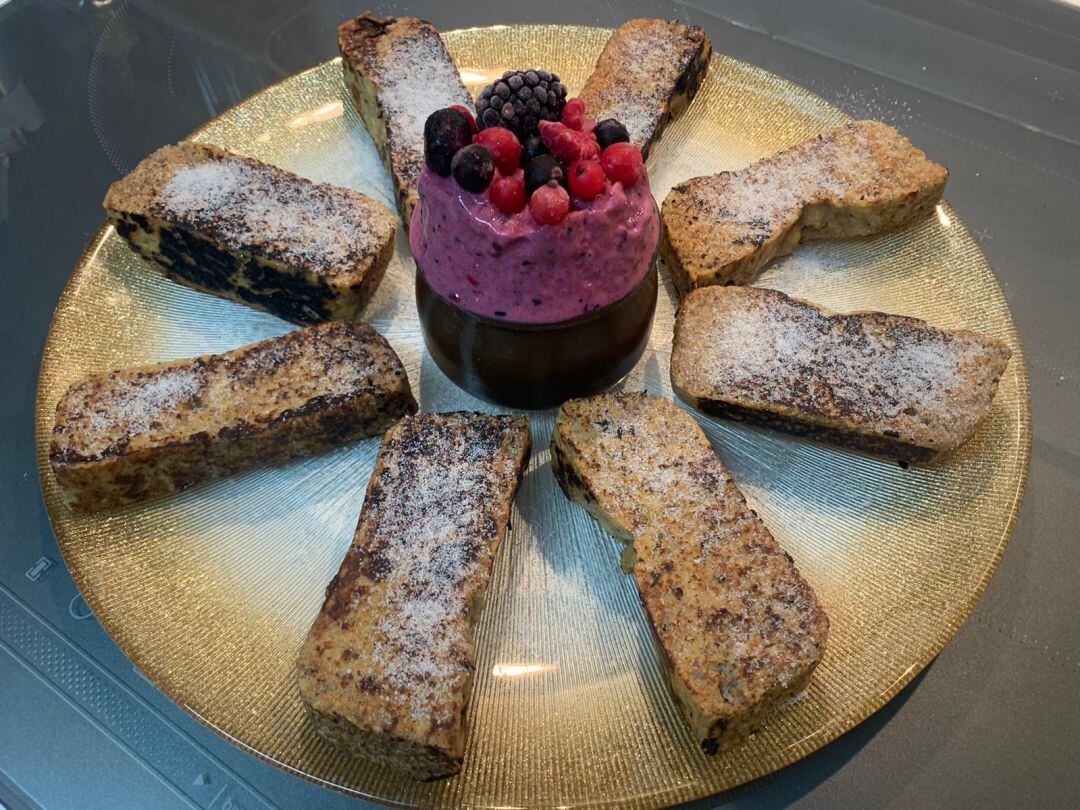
column 610, row 131
column 541, row 170
column 532, row 147
column 520, row 100
column 473, row 167
column 445, row 132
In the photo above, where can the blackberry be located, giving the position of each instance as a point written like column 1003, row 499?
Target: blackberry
column 520, row 100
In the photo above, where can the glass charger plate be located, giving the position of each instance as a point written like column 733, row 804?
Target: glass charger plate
column 210, row 593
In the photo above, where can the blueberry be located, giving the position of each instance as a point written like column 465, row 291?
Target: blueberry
column 473, row 167
column 445, row 132
column 540, row 170
column 610, row 131
column 532, row 147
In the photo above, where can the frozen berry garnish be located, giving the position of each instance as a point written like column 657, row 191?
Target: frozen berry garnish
column 473, row 167
column 568, row 145
column 468, row 115
column 520, row 100
column 573, row 114
column 504, row 146
column 622, row 163
column 586, row 179
column 508, row 194
column 610, row 131
column 541, row 170
column 531, row 147
column 549, row 204
column 445, row 132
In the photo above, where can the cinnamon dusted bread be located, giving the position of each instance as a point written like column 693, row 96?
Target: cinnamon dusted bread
column 398, row 72
column 386, row 670
column 882, row 383
column 254, row 233
column 859, row 179
column 125, row 436
column 739, row 630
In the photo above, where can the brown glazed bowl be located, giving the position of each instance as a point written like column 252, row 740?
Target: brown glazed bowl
column 537, row 365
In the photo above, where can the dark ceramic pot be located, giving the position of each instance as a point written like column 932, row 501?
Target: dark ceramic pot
column 537, row 365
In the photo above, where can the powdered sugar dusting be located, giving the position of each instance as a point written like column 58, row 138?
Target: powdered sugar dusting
column 758, row 346
column 769, row 195
column 427, row 536
column 423, row 80
column 637, row 74
column 139, row 402
column 250, row 206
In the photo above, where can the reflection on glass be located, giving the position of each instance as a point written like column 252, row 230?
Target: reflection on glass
column 943, row 218
column 517, row 670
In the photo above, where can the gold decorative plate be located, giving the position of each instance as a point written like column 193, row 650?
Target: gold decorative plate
column 211, row 593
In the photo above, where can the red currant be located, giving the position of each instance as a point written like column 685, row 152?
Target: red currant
column 549, row 204
column 503, row 145
column 586, row 179
column 568, row 145
column 468, row 114
column 508, row 193
column 622, row 163
column 573, row 114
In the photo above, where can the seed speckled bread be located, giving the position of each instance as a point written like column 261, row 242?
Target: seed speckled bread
column 254, row 233
column 739, row 629
column 647, row 75
column 886, row 384
column 386, row 670
column 398, row 72
column 859, row 179
column 128, row 435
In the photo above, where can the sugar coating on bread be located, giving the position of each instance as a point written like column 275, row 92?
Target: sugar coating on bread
column 387, row 667
column 740, row 630
column 251, row 206
column 647, row 74
column 896, row 384
column 131, row 434
column 398, row 72
column 859, row 179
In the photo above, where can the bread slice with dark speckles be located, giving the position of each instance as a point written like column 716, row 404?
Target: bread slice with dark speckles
column 739, row 630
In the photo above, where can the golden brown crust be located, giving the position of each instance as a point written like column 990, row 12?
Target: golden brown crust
column 254, row 233
column 128, row 435
column 882, row 383
column 387, row 667
column 647, row 74
column 859, row 179
column 398, row 72
column 738, row 627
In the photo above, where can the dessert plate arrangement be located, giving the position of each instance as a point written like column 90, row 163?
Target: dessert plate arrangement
column 212, row 592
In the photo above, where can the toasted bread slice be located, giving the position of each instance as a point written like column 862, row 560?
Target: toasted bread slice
column 254, row 233
column 647, row 75
column 386, row 670
column 885, row 384
column 125, row 436
column 398, row 72
column 738, row 628
column 857, row 180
